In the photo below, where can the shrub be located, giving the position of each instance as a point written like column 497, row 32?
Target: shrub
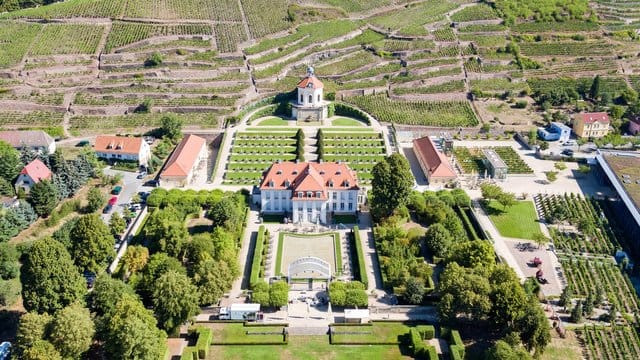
column 360, row 268
column 257, row 256
column 154, row 60
column 427, row 332
column 205, row 336
column 189, row 353
column 346, row 110
column 521, row 104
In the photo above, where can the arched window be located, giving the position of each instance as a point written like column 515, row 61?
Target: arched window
column 310, row 99
column 301, row 98
column 318, row 97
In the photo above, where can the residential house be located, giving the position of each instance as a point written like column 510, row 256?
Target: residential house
column 32, row 174
column 434, row 164
column 634, row 126
column 555, row 132
column 122, row 148
column 36, row 140
column 310, row 192
column 187, row 158
column 591, row 125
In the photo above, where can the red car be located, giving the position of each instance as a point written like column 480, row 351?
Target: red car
column 113, row 200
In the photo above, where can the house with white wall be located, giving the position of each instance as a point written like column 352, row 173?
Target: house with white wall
column 123, row 148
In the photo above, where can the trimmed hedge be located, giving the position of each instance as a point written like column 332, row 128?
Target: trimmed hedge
column 346, row 110
column 456, row 345
column 427, row 332
column 257, row 256
column 189, row 353
column 205, row 336
column 360, row 270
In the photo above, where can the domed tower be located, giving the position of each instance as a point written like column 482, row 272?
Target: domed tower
column 309, row 104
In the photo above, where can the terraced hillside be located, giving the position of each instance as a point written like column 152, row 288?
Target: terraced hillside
column 96, row 66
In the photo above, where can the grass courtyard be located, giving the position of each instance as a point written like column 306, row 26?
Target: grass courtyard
column 307, row 347
column 517, row 221
column 293, row 246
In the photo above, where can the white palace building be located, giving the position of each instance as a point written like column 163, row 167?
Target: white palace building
column 310, row 192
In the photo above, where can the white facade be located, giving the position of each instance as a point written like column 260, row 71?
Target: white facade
column 310, row 96
column 310, row 208
column 142, row 157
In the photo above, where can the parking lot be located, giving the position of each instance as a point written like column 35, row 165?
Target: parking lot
column 131, row 185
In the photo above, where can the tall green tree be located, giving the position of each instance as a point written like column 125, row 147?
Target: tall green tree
column 41, row 350
column 465, row 293
column 95, row 199
column 33, row 327
column 507, row 296
column 135, row 258
column 438, row 240
column 594, row 91
column 50, row 279
column 175, row 300
column 502, row 350
column 131, row 332
column 414, row 291
column 106, row 293
column 506, row 199
column 10, row 164
column 391, row 185
column 171, row 127
column 535, row 331
column 158, row 265
column 92, row 243
column 227, row 213
column 9, row 267
column 72, row 331
column 117, row 225
column 278, row 294
column 43, row 197
column 212, row 278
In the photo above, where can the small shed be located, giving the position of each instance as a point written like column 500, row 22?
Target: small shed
column 244, row 311
column 356, row 316
column 495, row 165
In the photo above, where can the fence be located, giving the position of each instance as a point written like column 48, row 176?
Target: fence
column 128, row 235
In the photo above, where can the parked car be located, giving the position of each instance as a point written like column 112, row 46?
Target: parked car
column 141, row 175
column 116, row 190
column 152, row 183
column 570, row 143
column 135, row 207
column 5, row 350
column 113, row 200
column 567, row 152
column 107, row 209
column 83, row 143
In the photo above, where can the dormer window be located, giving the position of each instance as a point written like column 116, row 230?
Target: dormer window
column 300, row 194
column 321, row 172
column 295, row 172
column 330, row 183
column 119, row 146
column 271, row 183
column 346, row 183
column 309, row 194
column 338, row 172
column 110, row 146
column 279, row 172
column 319, row 194
column 287, row 183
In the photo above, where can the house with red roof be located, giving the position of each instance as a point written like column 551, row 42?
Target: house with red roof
column 187, row 159
column 591, row 125
column 32, row 174
column 310, row 192
column 123, row 148
column 434, row 164
column 310, row 104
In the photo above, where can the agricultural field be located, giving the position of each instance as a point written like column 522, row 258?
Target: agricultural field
column 125, row 33
column 587, row 275
column 442, row 113
column 67, row 39
column 610, row 343
column 588, row 232
column 471, row 160
column 16, row 39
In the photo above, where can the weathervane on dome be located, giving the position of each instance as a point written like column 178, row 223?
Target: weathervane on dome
column 310, row 71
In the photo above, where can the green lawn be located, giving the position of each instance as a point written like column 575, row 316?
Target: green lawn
column 342, row 121
column 307, row 347
column 273, row 121
column 389, row 332
column 237, row 333
column 518, row 221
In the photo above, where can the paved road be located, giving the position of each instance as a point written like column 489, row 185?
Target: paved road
column 130, row 186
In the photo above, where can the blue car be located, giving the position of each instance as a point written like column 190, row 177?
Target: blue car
column 5, row 350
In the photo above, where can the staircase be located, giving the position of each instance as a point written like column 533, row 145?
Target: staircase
column 307, row 331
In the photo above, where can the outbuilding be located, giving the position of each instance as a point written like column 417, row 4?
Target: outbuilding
column 356, row 316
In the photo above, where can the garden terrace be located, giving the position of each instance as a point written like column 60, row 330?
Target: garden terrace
column 252, row 152
column 609, row 343
column 476, row 12
column 471, row 160
column 418, row 112
column 596, row 239
column 361, row 150
column 67, row 39
column 35, row 118
column 586, row 275
column 555, row 27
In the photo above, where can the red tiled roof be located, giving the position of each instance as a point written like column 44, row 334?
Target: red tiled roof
column 37, row 171
column 437, row 163
column 184, row 157
column 306, row 176
column 118, row 144
column 310, row 79
column 590, row 118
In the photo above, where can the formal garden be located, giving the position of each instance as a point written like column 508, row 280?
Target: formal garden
column 254, row 150
column 471, row 160
column 518, row 220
